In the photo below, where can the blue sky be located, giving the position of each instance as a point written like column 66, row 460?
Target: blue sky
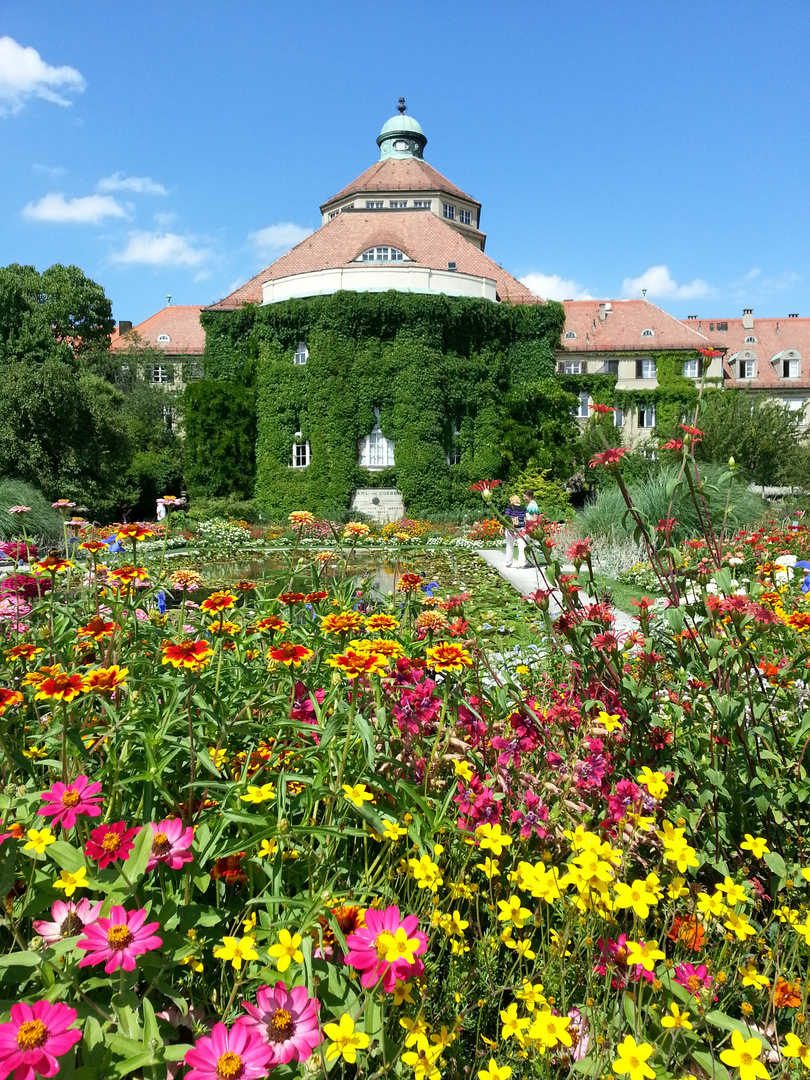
column 179, row 147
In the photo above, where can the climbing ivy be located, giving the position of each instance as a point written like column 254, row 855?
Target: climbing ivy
column 432, row 365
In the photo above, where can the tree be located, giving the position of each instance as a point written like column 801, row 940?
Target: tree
column 762, row 436
column 220, row 439
column 538, row 426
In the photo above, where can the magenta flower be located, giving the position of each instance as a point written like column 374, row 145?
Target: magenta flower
column 171, row 844
column 287, row 1020
column 35, row 1037
column 70, row 917
column 386, row 947
column 67, row 801
column 237, row 1053
column 108, row 843
column 118, row 940
column 693, row 978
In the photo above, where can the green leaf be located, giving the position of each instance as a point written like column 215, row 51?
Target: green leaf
column 19, row 959
column 135, row 865
column 65, row 856
column 151, row 1034
column 775, row 863
column 712, row 1066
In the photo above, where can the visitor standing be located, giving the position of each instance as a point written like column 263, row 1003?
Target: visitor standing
column 516, row 512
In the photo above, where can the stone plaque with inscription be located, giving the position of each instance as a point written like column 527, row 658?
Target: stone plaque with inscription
column 380, row 504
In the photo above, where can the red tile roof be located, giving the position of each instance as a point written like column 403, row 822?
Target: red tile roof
column 181, row 322
column 400, row 174
column 422, row 236
column 773, row 336
column 620, row 330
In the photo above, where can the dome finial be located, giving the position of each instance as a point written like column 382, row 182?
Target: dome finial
column 401, row 106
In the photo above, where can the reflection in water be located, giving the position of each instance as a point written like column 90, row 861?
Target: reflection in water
column 383, row 573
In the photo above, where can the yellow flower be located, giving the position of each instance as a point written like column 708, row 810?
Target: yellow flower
column 71, row 882
column 711, row 905
column 495, row 1072
column 287, row 951
column 550, row 1030
column 456, row 925
column 512, row 1024
column 423, row 1062
column 38, row 840
column 512, row 911
column 392, row 831
column 751, row 977
column 531, row 995
column 643, row 955
column 35, row 752
column 735, row 894
column 757, row 845
column 632, row 1059
column 522, row 946
column 268, row 848
column 418, row 1031
column 357, row 794
column 345, row 1040
column 637, row 896
column 678, row 1019
column 744, row 1055
column 463, row 769
column 677, row 889
column 739, row 925
column 259, row 794
column 236, row 951
column 654, row 782
column 402, row 992
column 795, row 1048
column 426, row 873
column 488, row 867
column 491, row 838
column 609, row 722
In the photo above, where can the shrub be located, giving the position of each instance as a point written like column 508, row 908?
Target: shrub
column 550, row 495
column 42, row 521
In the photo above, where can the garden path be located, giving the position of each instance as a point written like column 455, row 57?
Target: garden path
column 528, row 580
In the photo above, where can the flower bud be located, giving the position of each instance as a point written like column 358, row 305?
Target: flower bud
column 732, row 464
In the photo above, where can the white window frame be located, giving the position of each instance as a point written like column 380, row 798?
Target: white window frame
column 465, row 217
column 397, row 204
column 168, row 417
column 300, row 460
column 649, row 369
column 690, row 369
column 570, row 335
column 301, row 354
column 374, row 204
column 648, row 333
column 749, row 369
column 160, row 374
column 163, row 339
column 422, row 204
column 645, row 413
column 794, row 369
column 618, row 417
column 572, row 367
column 449, row 211
column 382, row 253
column 333, row 214
column 583, row 412
column 750, row 341
column 376, row 452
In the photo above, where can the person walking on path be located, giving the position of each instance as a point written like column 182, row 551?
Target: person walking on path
column 516, row 512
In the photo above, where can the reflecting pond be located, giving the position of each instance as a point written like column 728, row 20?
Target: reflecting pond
column 259, row 567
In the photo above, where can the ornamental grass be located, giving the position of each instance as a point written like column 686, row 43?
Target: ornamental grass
column 282, row 843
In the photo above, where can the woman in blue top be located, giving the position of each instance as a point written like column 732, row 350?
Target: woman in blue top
column 516, row 512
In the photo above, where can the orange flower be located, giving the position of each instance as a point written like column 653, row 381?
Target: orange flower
column 343, row 623
column 185, row 579
column 127, row 574
column 799, row 621
column 291, row 598
column 431, row 621
column 315, row 597
column 188, row 654
column 25, row 651
column 379, row 623
column 92, row 546
column 354, row 664
column 218, row 601
column 688, row 931
column 34, row 678
column 133, row 532
column 229, row 869
column 8, row 698
column 61, row 687
column 106, row 680
column 383, row 646
column 787, row 995
column 271, row 624
column 299, row 518
column 52, row 564
column 448, row 657
column 356, row 529
column 410, row 582
column 224, row 627
column 288, row 653
column 245, row 586
column 97, row 629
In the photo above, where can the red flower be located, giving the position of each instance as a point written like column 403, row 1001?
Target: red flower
column 484, row 485
column 9, row 697
column 218, row 601
column 666, row 525
column 229, row 868
column 188, row 654
column 673, row 444
column 291, row 598
column 609, row 458
column 691, row 430
column 602, row 408
column 709, row 353
column 287, row 653
column 109, row 843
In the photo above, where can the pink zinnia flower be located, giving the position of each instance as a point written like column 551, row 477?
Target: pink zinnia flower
column 35, row 1037
column 693, row 978
column 118, row 940
column 386, row 947
column 171, row 844
column 237, row 1053
column 108, row 843
column 287, row 1020
column 70, row 917
column 67, row 801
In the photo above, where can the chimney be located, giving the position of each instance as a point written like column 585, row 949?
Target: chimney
column 794, row 315
column 748, row 318
column 124, row 327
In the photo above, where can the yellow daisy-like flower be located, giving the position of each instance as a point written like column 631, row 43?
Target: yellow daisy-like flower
column 345, row 1040
column 488, row 867
column 632, row 1059
column 677, row 1019
column 238, row 952
column 744, row 1055
column 643, row 954
column 70, row 882
column 757, row 845
column 357, row 794
column 491, row 838
column 259, row 793
column 495, row 1071
column 654, row 782
column 392, row 831
column 38, row 840
column 287, row 950
column 795, row 1048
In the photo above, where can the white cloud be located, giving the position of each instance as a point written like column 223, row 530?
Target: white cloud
column 24, row 74
column 160, row 249
column 554, row 287
column 139, row 185
column 278, row 238
column 85, row 210
column 53, row 171
column 659, row 284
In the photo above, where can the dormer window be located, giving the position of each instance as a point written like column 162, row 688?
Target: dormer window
column 449, row 212
column 465, row 217
column 648, row 333
column 301, row 354
column 790, row 369
column 750, row 341
column 163, row 339
column 570, row 334
column 381, row 254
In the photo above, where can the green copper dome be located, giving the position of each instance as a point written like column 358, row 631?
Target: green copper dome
column 401, row 136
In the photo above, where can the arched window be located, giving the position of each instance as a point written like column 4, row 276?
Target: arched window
column 570, row 333
column 376, row 452
column 385, row 253
column 301, row 354
column 648, row 333
column 750, row 341
column 163, row 339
